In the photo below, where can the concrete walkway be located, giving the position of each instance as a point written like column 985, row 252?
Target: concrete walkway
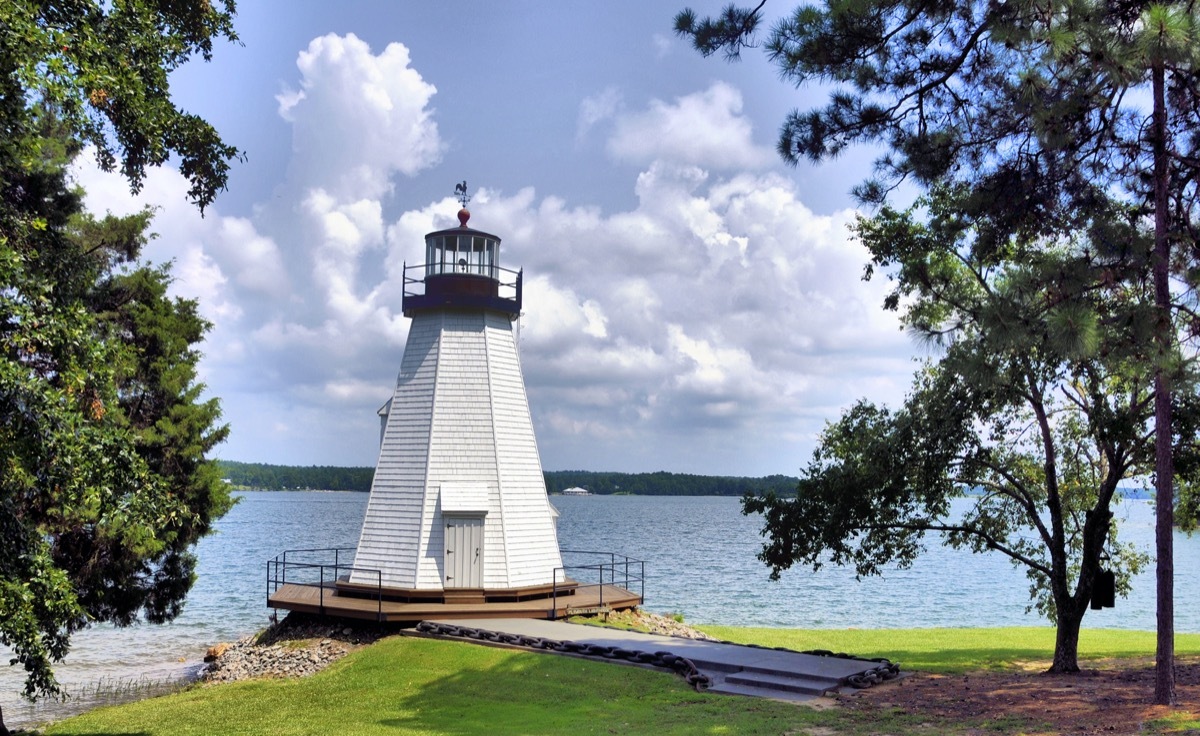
column 734, row 669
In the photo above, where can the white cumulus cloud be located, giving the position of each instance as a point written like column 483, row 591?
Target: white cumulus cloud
column 704, row 129
column 711, row 322
column 358, row 117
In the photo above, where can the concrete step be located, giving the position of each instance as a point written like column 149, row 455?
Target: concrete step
column 787, row 683
column 713, row 665
column 726, row 688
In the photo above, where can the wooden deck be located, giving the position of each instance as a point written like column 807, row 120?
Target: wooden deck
column 325, row 601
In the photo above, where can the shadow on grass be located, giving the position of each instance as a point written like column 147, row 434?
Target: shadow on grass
column 542, row 693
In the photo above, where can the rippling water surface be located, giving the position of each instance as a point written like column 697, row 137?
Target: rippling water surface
column 700, row 561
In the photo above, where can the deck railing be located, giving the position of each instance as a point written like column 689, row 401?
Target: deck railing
column 302, row 570
column 321, row 568
column 605, row 568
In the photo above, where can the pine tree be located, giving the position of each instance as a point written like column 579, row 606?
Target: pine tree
column 1038, row 405
column 1032, row 105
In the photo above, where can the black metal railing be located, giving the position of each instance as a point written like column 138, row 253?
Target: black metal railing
column 301, row 569
column 603, row 569
column 495, row 288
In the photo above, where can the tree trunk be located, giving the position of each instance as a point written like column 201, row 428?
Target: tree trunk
column 3, row 730
column 1066, row 639
column 1164, row 471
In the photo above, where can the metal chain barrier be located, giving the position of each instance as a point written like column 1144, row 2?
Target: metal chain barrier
column 884, row 670
column 665, row 660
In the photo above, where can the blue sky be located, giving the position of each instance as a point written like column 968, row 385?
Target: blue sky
column 692, row 304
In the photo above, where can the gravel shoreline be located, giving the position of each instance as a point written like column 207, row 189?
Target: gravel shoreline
column 302, row 645
column 298, row 646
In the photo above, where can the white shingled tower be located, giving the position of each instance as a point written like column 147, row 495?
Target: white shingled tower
column 458, row 509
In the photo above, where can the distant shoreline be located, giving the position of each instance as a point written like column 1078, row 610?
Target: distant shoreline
column 265, row 477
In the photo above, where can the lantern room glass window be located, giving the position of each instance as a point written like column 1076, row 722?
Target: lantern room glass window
column 461, row 254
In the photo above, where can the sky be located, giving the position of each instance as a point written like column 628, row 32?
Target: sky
column 691, row 303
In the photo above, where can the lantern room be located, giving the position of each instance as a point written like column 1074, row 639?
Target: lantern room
column 461, row 269
column 461, row 251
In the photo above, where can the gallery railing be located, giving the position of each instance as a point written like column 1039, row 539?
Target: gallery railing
column 597, row 570
column 492, row 287
column 303, row 569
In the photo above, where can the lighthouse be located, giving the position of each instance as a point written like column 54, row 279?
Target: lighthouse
column 458, row 511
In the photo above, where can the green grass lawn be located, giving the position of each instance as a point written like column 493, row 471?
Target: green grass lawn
column 404, row 685
column 957, row 650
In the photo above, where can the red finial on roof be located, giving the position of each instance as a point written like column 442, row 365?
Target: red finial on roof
column 460, row 191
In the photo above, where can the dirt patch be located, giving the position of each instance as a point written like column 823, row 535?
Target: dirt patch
column 1107, row 698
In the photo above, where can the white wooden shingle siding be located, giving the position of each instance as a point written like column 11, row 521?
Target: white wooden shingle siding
column 460, row 417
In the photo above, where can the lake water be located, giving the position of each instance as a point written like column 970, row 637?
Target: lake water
column 700, row 562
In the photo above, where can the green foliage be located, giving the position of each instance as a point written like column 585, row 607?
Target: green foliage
column 105, row 484
column 1187, row 505
column 104, row 481
column 105, row 67
column 1026, row 122
column 1040, row 400
column 1028, row 102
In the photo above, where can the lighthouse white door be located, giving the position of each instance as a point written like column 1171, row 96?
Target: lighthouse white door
column 463, row 563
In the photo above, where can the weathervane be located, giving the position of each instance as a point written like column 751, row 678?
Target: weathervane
column 460, row 191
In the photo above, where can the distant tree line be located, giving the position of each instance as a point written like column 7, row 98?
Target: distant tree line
column 261, row 476
column 668, row 484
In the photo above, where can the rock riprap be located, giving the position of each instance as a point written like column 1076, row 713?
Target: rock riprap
column 245, row 659
column 296, row 647
column 300, row 645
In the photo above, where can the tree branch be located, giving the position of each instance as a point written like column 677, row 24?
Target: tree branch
column 990, row 541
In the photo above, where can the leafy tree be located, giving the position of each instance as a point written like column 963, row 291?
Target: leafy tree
column 1033, row 105
column 105, row 67
column 1039, row 406
column 103, row 482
